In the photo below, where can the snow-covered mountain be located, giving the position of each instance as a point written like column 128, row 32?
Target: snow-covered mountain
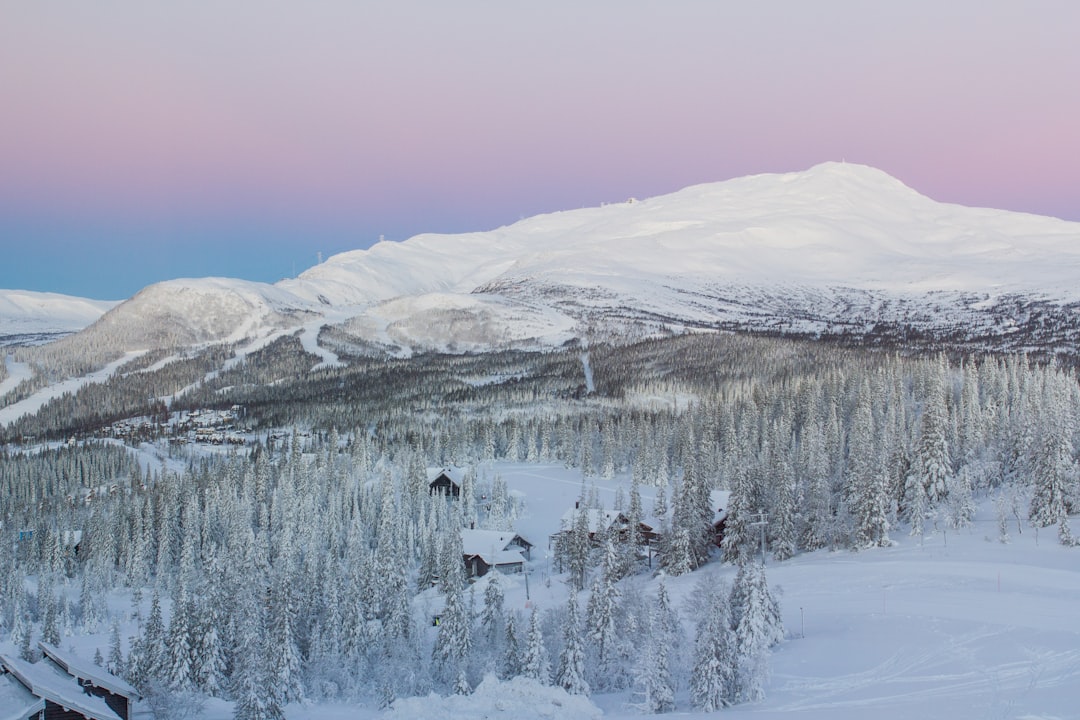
column 25, row 314
column 839, row 248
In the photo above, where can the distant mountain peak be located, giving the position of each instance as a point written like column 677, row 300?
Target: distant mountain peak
column 781, row 249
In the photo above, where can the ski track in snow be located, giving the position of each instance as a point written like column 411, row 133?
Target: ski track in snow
column 309, row 338
column 589, row 386
column 17, row 372
column 35, row 402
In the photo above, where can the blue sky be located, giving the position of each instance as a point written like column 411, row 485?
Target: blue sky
column 147, row 141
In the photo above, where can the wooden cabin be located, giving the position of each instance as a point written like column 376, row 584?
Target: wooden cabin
column 446, row 482
column 60, row 695
column 117, row 693
column 487, row 550
column 604, row 522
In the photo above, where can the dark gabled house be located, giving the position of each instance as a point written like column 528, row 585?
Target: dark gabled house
column 446, row 482
column 604, row 522
column 61, row 696
column 117, row 693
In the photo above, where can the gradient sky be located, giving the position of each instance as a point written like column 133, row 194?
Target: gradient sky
column 142, row 140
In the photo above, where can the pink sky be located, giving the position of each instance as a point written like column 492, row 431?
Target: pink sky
column 332, row 122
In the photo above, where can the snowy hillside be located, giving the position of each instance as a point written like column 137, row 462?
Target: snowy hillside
column 26, row 313
column 838, row 248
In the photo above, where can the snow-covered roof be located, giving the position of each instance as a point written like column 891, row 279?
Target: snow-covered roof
column 474, row 542
column 499, row 558
column 48, row 681
column 598, row 519
column 456, row 475
column 720, row 500
column 492, row 546
column 85, row 670
column 16, row 702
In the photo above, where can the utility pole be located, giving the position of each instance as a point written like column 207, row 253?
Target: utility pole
column 761, row 520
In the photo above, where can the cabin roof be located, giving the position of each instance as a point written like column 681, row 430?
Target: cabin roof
column 456, row 475
column 84, row 670
column 499, row 558
column 16, row 702
column 49, row 682
column 720, row 500
column 597, row 519
column 475, row 542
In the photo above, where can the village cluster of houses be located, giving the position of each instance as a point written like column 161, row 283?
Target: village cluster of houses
column 62, row 686
column 201, row 426
column 507, row 552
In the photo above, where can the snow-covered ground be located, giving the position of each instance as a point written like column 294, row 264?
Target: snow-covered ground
column 23, row 312
column 17, row 373
column 952, row 625
column 35, row 402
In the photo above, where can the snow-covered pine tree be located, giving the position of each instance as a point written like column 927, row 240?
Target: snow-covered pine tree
column 601, row 617
column 758, row 627
column 653, row 680
column 740, row 538
column 178, row 670
column 577, row 550
column 153, row 652
column 815, row 502
column 512, row 659
column 493, row 621
column 535, row 663
column 928, row 480
column 286, row 667
column 210, row 659
column 713, row 677
column 256, row 696
column 635, row 513
column 571, row 672
column 1053, row 469
column 866, row 481
column 454, row 641
column 49, row 609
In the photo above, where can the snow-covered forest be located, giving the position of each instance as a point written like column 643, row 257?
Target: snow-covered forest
column 310, row 563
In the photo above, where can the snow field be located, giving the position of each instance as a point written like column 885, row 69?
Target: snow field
column 953, row 625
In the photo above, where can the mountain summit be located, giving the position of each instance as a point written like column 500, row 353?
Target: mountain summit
column 838, row 248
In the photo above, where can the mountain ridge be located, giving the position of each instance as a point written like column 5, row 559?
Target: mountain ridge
column 758, row 253
column 28, row 314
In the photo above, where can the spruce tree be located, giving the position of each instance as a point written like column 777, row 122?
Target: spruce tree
column 713, row 677
column 454, row 641
column 571, row 672
column 758, row 627
column 512, row 660
column 535, row 664
column 601, row 617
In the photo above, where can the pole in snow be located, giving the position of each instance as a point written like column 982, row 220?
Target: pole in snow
column 762, row 522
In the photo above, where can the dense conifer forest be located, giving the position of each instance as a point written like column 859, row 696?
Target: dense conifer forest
column 291, row 563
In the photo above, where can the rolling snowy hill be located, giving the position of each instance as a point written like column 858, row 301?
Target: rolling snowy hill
column 838, row 249
column 26, row 315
